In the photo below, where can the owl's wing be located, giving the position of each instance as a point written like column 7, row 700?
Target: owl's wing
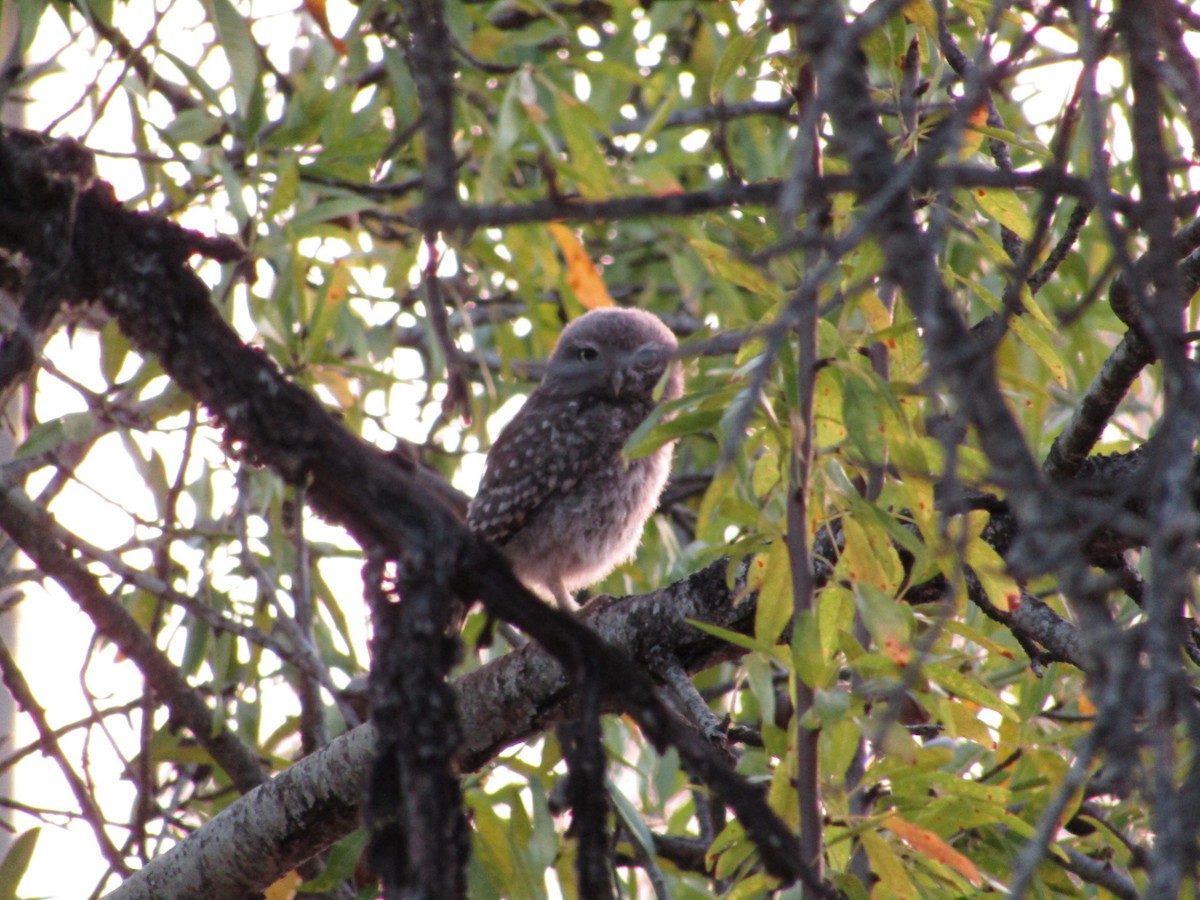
column 544, row 451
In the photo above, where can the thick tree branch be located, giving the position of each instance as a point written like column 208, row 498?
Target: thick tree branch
column 523, row 694
column 1173, row 511
column 501, row 704
column 135, row 265
column 1093, row 413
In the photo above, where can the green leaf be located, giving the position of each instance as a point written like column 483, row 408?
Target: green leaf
column 631, row 819
column 114, row 350
column 808, row 656
column 658, row 120
column 338, row 208
column 841, row 741
column 509, row 123
column 735, row 638
column 46, row 436
column 192, row 126
column 237, row 42
column 194, row 78
column 652, row 433
column 167, row 745
column 16, row 863
column 889, row 867
column 499, row 850
column 737, row 51
column 729, row 850
column 863, row 416
column 889, row 620
column 964, row 686
column 341, row 862
column 755, row 887
column 745, row 275
column 287, row 187
column 1003, row 205
column 29, row 17
column 587, row 162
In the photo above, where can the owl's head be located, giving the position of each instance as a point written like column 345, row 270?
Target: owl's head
column 616, row 354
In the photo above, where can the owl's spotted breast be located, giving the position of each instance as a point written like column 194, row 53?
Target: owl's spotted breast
column 557, row 496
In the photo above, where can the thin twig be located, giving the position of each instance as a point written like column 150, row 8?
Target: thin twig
column 19, row 687
column 313, row 731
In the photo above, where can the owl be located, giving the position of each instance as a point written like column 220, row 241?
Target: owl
column 557, row 496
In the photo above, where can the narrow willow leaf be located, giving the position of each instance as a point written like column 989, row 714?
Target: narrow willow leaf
column 16, row 862
column 745, row 275
column 737, row 51
column 240, row 50
column 928, row 844
column 889, row 867
column 583, row 278
column 1005, row 207
column 775, row 602
column 968, row 688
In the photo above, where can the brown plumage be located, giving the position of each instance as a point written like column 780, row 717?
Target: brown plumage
column 557, row 496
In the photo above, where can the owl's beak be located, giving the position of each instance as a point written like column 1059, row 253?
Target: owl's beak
column 618, row 380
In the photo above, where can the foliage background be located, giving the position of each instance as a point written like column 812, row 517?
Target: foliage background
column 664, row 142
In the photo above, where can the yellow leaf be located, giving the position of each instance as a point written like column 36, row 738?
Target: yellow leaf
column 885, row 863
column 775, row 595
column 782, row 794
column 969, row 689
column 1004, row 206
column 870, row 558
column 342, row 388
column 920, row 12
column 1035, row 330
column 1001, row 588
column 877, row 315
column 827, row 408
column 929, row 844
column 582, row 277
column 888, row 619
column 766, row 475
column 284, row 888
column 339, row 282
column 972, row 137
column 1037, row 341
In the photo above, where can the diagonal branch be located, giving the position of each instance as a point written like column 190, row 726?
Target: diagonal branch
column 508, row 701
column 32, row 529
column 14, row 680
column 135, row 265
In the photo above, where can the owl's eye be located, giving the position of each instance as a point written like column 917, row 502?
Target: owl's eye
column 587, row 354
column 647, row 357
